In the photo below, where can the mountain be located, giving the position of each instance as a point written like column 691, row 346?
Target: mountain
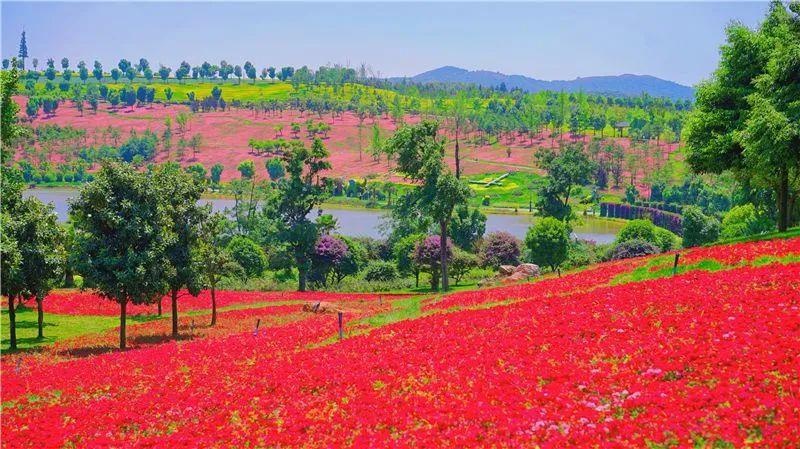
column 625, row 85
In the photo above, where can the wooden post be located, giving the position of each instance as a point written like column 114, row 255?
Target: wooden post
column 258, row 323
column 341, row 326
column 380, row 300
column 675, row 265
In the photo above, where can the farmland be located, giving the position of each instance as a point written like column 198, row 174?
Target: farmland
column 655, row 362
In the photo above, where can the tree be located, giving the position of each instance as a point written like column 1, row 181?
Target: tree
column 427, row 255
column 237, row 70
column 461, row 263
column 179, row 193
column 23, row 50
column 467, row 227
column 458, row 112
column 97, row 71
column 83, row 71
column 548, row 242
column 216, row 173
column 275, row 169
column 115, row 74
column 299, row 193
column 745, row 117
column 247, row 169
column 39, row 242
column 194, row 142
column 565, row 169
column 698, row 228
column 121, row 235
column 163, row 73
column 213, row 257
column 420, row 158
column 130, row 74
column 248, row 255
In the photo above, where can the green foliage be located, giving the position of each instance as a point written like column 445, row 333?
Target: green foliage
column 743, row 221
column 462, row 263
column 380, row 271
column 122, row 234
column 698, row 228
column 566, row 169
column 548, row 242
column 143, row 146
column 275, row 169
column 632, row 248
column 248, row 255
column 467, row 227
column 247, row 169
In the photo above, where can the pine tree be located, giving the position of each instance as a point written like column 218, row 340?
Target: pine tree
column 23, row 50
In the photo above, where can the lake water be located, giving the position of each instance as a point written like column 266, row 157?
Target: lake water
column 365, row 222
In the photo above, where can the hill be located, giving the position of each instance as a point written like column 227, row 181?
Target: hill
column 625, row 85
column 595, row 358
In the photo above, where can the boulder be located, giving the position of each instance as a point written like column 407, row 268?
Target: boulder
column 506, row 270
column 528, row 269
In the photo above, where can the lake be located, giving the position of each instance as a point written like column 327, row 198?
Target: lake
column 366, row 222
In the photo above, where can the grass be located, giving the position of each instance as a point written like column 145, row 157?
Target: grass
column 58, row 327
column 515, row 191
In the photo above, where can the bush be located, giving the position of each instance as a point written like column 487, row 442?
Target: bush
column 645, row 230
column 249, row 255
column 584, row 252
column 744, row 220
column 380, row 271
column 698, row 228
column 144, row 147
column 548, row 242
column 461, row 263
column 500, row 248
column 632, row 248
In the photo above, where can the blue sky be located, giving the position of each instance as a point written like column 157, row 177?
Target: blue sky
column 676, row 41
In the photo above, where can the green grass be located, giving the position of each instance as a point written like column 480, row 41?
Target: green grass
column 58, row 327
column 515, row 191
column 791, row 232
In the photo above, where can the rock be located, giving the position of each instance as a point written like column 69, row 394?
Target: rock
column 320, row 307
column 528, row 269
column 506, row 270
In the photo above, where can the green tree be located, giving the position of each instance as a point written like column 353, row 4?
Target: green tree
column 698, row 228
column 745, row 117
column 275, row 169
column 23, row 50
column 213, row 257
column 467, row 227
column 121, row 236
column 216, row 173
column 548, row 242
column 565, row 170
column 248, row 255
column 299, row 193
column 420, row 158
column 247, row 169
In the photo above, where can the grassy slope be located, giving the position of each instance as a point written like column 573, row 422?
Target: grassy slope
column 60, row 327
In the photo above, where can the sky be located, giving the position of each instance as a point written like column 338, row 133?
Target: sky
column 554, row 40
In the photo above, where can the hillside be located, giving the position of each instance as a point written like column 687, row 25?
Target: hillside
column 624, row 85
column 622, row 354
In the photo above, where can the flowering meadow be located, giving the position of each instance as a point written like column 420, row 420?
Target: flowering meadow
column 700, row 359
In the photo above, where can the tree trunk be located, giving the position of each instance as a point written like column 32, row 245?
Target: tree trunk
column 123, row 306
column 443, row 254
column 783, row 201
column 69, row 277
column 213, row 306
column 458, row 161
column 160, row 300
column 40, row 316
column 301, row 279
column 12, row 323
column 174, row 296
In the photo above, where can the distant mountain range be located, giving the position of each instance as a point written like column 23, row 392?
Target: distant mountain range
column 624, row 85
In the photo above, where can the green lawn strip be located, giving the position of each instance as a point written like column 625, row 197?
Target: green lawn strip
column 792, row 232
column 58, row 327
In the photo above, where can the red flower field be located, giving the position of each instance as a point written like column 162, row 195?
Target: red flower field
column 701, row 359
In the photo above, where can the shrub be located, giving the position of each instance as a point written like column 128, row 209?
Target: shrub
column 744, row 220
column 645, row 230
column 500, row 248
column 461, row 263
column 275, row 169
column 548, row 242
column 633, row 248
column 584, row 252
column 329, row 253
column 249, row 255
column 142, row 146
column 380, row 271
column 698, row 228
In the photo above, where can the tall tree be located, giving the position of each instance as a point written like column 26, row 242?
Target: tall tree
column 121, row 235
column 300, row 192
column 420, row 158
column 23, row 50
column 745, row 116
column 565, row 169
column 179, row 193
column 213, row 257
column 458, row 113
